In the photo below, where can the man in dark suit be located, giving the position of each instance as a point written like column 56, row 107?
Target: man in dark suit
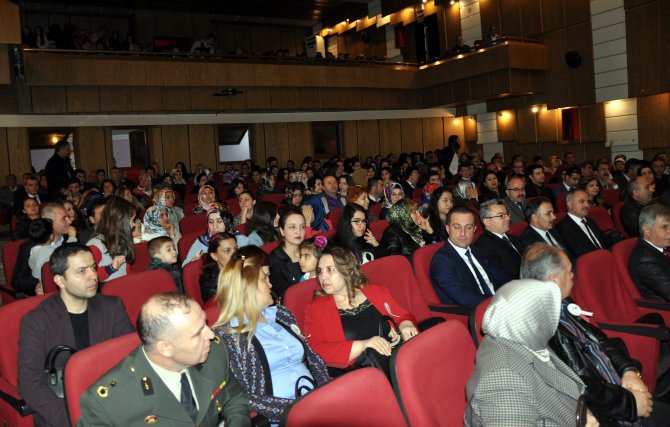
column 77, row 316
column 29, row 190
column 535, row 183
column 570, row 180
column 179, row 375
column 461, row 274
column 639, row 196
column 59, row 170
column 541, row 225
column 649, row 266
column 501, row 249
column 580, row 233
column 411, row 180
column 515, row 202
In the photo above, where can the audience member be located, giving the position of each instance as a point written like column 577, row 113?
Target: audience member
column 76, row 316
column 592, row 188
column 579, row 232
column 354, row 235
column 411, row 180
column 221, row 247
column 408, row 230
column 393, row 193
column 499, row 248
column 178, row 364
column 330, row 197
column 648, row 264
column 639, row 196
column 604, row 177
column 206, row 196
column 40, row 231
column 515, row 202
column 460, row 47
column 284, row 267
column 262, row 227
column 535, row 183
column 247, row 201
column 441, row 202
column 571, row 177
column 163, row 254
column 256, row 330
column 541, row 218
column 219, row 220
column 7, row 192
column 517, row 379
column 490, row 187
column 30, row 190
column 310, row 252
column 343, row 321
column 29, row 212
column 59, row 170
column 660, row 178
column 460, row 273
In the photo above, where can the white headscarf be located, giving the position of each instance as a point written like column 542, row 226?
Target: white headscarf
column 526, row 312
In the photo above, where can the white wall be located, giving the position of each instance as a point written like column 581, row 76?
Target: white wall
column 235, row 153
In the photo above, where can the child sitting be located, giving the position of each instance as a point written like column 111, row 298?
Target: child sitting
column 40, row 231
column 310, row 252
column 164, row 256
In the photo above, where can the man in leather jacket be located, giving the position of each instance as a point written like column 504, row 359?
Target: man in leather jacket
column 639, row 196
column 615, row 392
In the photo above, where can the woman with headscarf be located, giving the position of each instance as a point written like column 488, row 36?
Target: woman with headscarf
column 407, row 230
column 393, row 193
column 219, row 220
column 157, row 223
column 179, row 182
column 266, row 185
column 206, row 196
column 165, row 197
column 319, row 223
column 517, row 379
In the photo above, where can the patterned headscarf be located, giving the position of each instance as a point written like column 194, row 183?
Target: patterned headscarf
column 222, row 209
column 265, row 186
column 387, row 193
column 160, row 196
column 399, row 215
column 152, row 221
column 204, row 206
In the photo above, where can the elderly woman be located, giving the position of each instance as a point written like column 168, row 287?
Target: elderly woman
column 157, row 223
column 269, row 356
column 407, row 230
column 165, row 196
column 393, row 193
column 517, row 379
column 206, row 196
column 219, row 219
column 354, row 235
column 344, row 318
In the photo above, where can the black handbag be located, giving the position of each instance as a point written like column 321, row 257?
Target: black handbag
column 372, row 358
column 55, row 375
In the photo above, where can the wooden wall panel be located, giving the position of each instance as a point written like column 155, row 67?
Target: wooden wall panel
column 10, row 23
column 83, row 99
column 90, row 148
column 433, row 133
column 175, row 99
column 257, row 143
column 452, row 18
column 145, row 99
column 155, row 142
column 350, row 138
column 276, row 141
column 510, row 18
column 469, row 130
column 5, row 70
column 592, row 123
column 203, row 145
column 48, row 99
column 526, row 126
column 490, row 15
column 411, row 131
column 19, row 150
column 506, row 122
column 115, row 99
column 5, row 166
column 390, row 138
column 301, row 141
column 643, row 40
column 531, row 18
column 368, row 137
column 653, row 115
column 455, row 126
column 176, row 146
column 548, row 125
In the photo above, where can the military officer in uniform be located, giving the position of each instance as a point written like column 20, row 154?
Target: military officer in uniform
column 179, row 375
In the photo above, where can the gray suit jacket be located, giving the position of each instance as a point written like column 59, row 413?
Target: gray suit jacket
column 511, row 387
column 515, row 213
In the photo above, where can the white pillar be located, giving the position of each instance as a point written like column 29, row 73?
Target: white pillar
column 487, row 130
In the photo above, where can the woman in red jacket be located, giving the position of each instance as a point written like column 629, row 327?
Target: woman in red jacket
column 343, row 320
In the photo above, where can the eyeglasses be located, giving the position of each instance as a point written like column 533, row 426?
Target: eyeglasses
column 359, row 221
column 505, row 215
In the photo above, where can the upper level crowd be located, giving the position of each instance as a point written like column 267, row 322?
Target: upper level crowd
column 242, row 242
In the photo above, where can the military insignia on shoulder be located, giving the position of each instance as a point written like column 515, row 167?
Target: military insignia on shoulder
column 147, row 387
column 103, row 391
column 150, row 419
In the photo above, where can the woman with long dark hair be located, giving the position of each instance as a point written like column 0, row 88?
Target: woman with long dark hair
column 221, row 247
column 261, row 226
column 354, row 235
column 284, row 260
column 441, row 202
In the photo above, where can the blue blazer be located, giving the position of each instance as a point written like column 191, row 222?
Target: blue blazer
column 453, row 281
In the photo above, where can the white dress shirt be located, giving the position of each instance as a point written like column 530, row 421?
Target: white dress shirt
column 462, row 253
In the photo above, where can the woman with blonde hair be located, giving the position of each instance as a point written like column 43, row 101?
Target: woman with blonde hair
column 269, row 357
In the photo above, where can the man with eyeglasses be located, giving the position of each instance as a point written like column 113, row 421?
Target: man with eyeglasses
column 515, row 202
column 462, row 274
column 580, row 233
column 500, row 248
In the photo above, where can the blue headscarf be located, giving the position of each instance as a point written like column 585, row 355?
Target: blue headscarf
column 319, row 223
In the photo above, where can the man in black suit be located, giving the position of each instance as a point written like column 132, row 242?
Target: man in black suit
column 639, row 196
column 580, row 233
column 59, row 170
column 29, row 190
column 535, row 183
column 498, row 247
column 571, row 178
column 461, row 274
column 411, row 180
column 649, row 266
column 541, row 225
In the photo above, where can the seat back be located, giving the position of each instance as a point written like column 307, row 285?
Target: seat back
column 375, row 209
column 142, row 258
column 476, row 321
column 10, row 252
column 275, row 198
column 621, row 253
column 611, row 196
column 186, row 242
column 597, row 289
column 48, row 284
column 518, row 228
column 560, row 203
column 422, row 258
column 85, row 367
column 298, row 296
column 191, row 279
column 616, row 214
column 334, row 216
column 602, row 218
column 234, row 206
column 416, row 194
column 377, row 228
column 136, row 288
column 395, row 273
column 359, row 398
column 10, row 318
column 437, row 362
column 271, row 246
column 243, row 229
column 191, row 223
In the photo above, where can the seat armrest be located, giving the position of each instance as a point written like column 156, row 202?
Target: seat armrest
column 452, row 309
column 13, row 293
column 14, row 401
column 654, row 305
column 648, row 330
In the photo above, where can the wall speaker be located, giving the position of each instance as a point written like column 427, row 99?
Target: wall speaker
column 573, row 59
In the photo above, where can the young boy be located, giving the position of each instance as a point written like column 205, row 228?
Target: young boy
column 40, row 231
column 164, row 256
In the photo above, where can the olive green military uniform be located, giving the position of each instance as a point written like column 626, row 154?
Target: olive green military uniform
column 132, row 394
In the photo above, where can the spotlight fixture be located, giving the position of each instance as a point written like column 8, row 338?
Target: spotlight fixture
column 535, row 109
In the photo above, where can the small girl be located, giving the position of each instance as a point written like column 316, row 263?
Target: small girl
column 310, row 252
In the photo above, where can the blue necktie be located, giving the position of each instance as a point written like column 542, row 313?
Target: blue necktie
column 481, row 280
